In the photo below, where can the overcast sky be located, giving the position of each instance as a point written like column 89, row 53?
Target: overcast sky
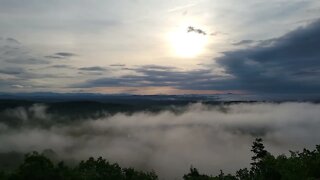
column 143, row 47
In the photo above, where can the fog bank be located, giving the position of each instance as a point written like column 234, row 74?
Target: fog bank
column 207, row 137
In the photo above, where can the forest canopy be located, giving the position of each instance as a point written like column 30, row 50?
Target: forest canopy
column 264, row 166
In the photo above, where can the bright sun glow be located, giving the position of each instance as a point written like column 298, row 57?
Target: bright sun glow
column 187, row 44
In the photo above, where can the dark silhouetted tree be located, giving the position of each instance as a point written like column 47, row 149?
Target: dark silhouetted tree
column 99, row 169
column 303, row 165
column 35, row 167
column 132, row 174
column 195, row 175
column 259, row 153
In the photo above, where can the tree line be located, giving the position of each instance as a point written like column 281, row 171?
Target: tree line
column 303, row 165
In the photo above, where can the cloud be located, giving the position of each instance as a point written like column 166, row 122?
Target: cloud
column 27, row 61
column 61, row 55
column 12, row 41
column 17, row 86
column 245, row 69
column 154, row 75
column 157, row 67
column 21, row 67
column 61, row 66
column 53, row 57
column 216, row 33
column 181, row 8
column 118, row 65
column 244, row 42
column 199, row 31
column 64, row 54
column 93, row 68
column 164, row 76
column 13, row 52
column 288, row 64
column 11, row 71
column 208, row 137
column 92, row 71
column 22, row 74
column 256, row 43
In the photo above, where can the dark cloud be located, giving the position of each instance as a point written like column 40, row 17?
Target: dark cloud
column 13, row 52
column 93, row 68
column 53, row 57
column 153, row 75
column 199, row 31
column 243, row 42
column 21, row 68
column 65, row 54
column 27, row 61
column 11, row 71
column 91, row 73
column 289, row 64
column 60, row 55
column 24, row 78
column 157, row 67
column 117, row 65
column 266, row 42
column 61, row 66
column 13, row 41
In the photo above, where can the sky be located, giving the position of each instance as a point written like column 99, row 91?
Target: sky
column 144, row 47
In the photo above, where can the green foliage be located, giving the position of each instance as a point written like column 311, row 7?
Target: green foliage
column 259, row 153
column 38, row 167
column 3, row 175
column 243, row 174
column 99, row 169
column 299, row 165
column 132, row 174
column 195, row 175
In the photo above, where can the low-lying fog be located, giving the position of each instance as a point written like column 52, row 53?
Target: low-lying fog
column 209, row 138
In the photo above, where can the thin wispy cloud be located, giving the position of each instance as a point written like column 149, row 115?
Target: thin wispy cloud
column 93, row 68
column 183, row 7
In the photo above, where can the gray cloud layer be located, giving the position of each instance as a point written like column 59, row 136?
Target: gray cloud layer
column 152, row 75
column 208, row 137
column 23, row 69
column 288, row 64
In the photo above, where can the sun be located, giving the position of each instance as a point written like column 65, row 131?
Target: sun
column 187, row 44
